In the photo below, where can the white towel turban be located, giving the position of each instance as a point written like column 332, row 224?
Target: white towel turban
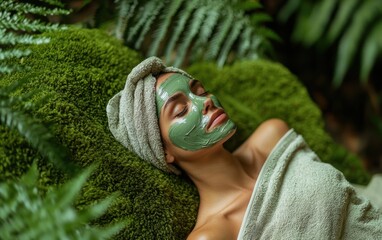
column 132, row 113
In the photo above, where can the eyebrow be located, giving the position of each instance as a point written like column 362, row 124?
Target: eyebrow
column 172, row 99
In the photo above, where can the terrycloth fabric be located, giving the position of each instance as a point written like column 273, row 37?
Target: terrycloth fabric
column 132, row 113
column 298, row 197
column 373, row 191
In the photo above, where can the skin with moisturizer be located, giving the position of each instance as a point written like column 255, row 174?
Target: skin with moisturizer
column 189, row 129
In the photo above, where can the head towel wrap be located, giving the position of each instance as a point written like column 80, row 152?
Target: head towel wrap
column 132, row 113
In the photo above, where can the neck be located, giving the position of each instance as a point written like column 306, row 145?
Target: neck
column 217, row 174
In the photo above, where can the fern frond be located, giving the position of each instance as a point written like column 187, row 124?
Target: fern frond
column 290, row 7
column 236, row 29
column 245, row 39
column 150, row 6
column 6, row 68
column 32, row 130
column 351, row 38
column 13, row 53
column 166, row 18
column 7, row 5
column 146, row 27
column 24, row 214
column 173, row 24
column 193, row 29
column 321, row 13
column 9, row 38
column 255, row 43
column 220, row 35
column 206, row 30
column 126, row 8
column 18, row 22
column 180, row 26
column 346, row 8
column 56, row 3
column 372, row 46
column 344, row 24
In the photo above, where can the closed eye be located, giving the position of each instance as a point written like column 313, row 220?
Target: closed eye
column 182, row 112
column 204, row 94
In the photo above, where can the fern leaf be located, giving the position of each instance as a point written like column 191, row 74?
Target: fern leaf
column 220, row 35
column 248, row 5
column 255, row 43
column 350, row 40
column 290, row 8
column 319, row 17
column 206, row 30
column 149, row 21
column 13, row 53
column 245, row 42
column 192, row 32
column 260, row 18
column 160, row 33
column 343, row 15
column 126, row 8
column 68, row 192
column 34, row 132
column 13, row 39
column 4, row 68
column 56, row 3
column 24, row 214
column 184, row 16
column 372, row 47
column 18, row 22
column 237, row 27
column 132, row 31
column 30, row 8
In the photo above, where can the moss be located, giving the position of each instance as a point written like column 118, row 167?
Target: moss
column 82, row 69
column 253, row 91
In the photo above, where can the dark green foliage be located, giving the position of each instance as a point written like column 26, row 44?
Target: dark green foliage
column 353, row 26
column 191, row 30
column 252, row 92
column 24, row 214
column 82, row 70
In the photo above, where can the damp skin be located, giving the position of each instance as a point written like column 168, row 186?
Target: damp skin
column 189, row 130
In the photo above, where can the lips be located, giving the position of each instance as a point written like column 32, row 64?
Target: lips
column 217, row 117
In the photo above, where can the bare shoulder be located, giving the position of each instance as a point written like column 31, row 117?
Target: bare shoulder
column 212, row 230
column 267, row 135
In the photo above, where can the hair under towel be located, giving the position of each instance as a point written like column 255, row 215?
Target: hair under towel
column 132, row 113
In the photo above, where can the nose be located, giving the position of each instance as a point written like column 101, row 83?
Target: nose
column 208, row 105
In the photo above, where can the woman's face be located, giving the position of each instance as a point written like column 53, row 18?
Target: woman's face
column 190, row 118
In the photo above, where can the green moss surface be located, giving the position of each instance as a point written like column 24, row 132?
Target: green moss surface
column 83, row 69
column 253, row 91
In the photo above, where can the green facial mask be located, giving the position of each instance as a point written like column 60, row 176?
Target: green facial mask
column 189, row 131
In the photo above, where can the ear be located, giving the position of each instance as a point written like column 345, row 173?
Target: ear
column 169, row 157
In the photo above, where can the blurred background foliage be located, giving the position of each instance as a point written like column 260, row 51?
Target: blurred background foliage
column 333, row 46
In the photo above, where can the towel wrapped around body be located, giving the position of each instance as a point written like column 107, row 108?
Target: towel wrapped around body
column 297, row 196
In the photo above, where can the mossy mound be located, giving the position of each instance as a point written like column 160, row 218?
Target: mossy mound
column 83, row 69
column 253, row 91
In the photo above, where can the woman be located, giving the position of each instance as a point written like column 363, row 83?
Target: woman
column 170, row 120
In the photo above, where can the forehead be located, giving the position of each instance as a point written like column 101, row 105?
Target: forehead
column 168, row 79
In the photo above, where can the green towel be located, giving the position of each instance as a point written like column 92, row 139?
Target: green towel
column 299, row 197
